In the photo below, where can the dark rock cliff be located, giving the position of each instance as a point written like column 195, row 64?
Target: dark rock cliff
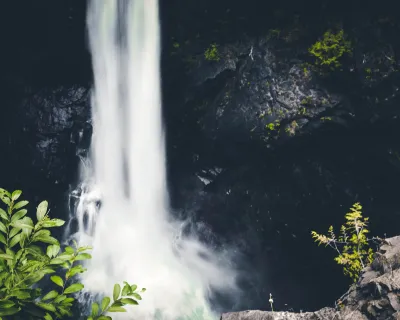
column 259, row 149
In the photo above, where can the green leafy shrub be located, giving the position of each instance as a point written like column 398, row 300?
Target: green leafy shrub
column 329, row 51
column 24, row 263
column 212, row 53
column 352, row 245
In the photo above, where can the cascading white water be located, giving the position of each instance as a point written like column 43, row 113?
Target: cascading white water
column 134, row 237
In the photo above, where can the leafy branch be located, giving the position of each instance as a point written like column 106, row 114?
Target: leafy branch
column 352, row 246
column 23, row 264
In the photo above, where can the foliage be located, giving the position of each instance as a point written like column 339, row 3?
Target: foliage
column 24, row 264
column 128, row 295
column 212, row 53
column 329, row 50
column 352, row 245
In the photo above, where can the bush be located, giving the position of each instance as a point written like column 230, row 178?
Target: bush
column 212, row 53
column 329, row 51
column 352, row 245
column 24, row 264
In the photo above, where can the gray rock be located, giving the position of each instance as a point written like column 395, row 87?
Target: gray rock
column 268, row 94
column 54, row 123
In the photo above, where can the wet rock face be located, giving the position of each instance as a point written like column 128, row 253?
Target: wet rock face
column 375, row 296
column 56, row 125
column 265, row 93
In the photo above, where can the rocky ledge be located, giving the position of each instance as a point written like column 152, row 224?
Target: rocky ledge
column 375, row 296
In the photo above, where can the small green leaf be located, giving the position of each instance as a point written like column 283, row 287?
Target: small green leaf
column 81, row 249
column 57, row 280
column 46, row 239
column 143, row 290
column 52, row 250
column 60, row 298
column 104, row 318
column 41, row 210
column 20, row 294
column 20, row 204
column 46, row 306
column 104, row 303
column 53, row 223
column 3, row 214
column 75, row 270
column 83, row 256
column 51, row 295
column 133, row 287
column 14, row 231
column 116, row 309
column 15, row 240
column 5, row 199
column 3, row 227
column 126, row 289
column 16, row 194
column 48, row 317
column 6, row 256
column 129, row 301
column 74, row 288
column 69, row 250
column 18, row 215
column 136, row 295
column 25, row 223
column 95, row 309
column 116, row 291
column 3, row 239
column 69, row 300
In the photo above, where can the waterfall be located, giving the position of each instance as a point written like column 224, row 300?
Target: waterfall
column 123, row 211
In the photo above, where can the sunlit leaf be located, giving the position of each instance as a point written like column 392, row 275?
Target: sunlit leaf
column 57, row 280
column 83, row 256
column 129, row 301
column 3, row 239
column 56, row 261
column 20, row 294
column 116, row 291
column 5, row 199
column 136, row 295
column 52, row 250
column 75, row 270
column 15, row 240
column 104, row 303
column 116, row 309
column 3, row 214
column 3, row 227
column 46, row 306
column 46, row 239
column 95, row 309
column 25, row 223
column 41, row 210
column 6, row 256
column 53, row 223
column 48, row 317
column 16, row 194
column 20, row 204
column 51, row 295
column 14, row 231
column 18, row 215
column 69, row 250
column 74, row 288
